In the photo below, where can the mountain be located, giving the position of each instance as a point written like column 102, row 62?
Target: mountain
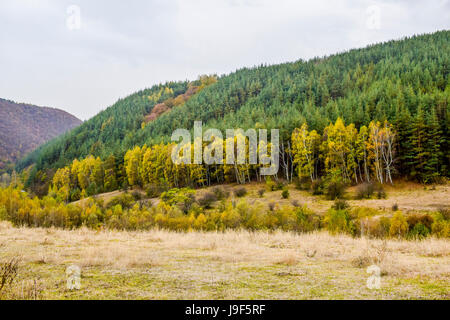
column 24, row 127
column 404, row 81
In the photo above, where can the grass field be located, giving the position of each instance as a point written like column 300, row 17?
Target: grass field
column 235, row 264
column 231, row 265
column 410, row 197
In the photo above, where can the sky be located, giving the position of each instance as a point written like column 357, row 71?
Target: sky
column 82, row 55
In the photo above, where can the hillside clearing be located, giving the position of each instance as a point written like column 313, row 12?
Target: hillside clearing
column 408, row 196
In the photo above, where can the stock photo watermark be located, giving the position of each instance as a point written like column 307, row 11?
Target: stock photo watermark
column 373, row 17
column 241, row 147
column 374, row 281
column 73, row 20
column 73, row 273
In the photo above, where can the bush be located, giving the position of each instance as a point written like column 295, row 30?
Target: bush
column 340, row 204
column 365, row 190
column 136, row 195
column 270, row 185
column 285, row 193
column 425, row 219
column 221, row 193
column 444, row 213
column 379, row 189
column 306, row 220
column 125, row 200
column 419, row 231
column 261, row 192
column 295, row 203
column 335, row 189
column 207, row 199
column 155, row 190
column 399, row 225
column 280, row 185
column 271, row 205
column 441, row 225
column 363, row 212
column 240, row 192
column 75, row 194
column 182, row 198
column 303, row 183
column 441, row 228
column 286, row 218
column 395, row 207
column 339, row 221
column 374, row 227
column 317, row 187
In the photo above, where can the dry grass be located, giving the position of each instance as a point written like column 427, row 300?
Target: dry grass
column 231, row 265
column 408, row 196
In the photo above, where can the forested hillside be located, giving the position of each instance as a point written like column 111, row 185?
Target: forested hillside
column 404, row 82
column 23, row 127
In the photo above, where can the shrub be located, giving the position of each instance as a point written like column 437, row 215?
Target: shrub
column 303, row 183
column 441, row 228
column 285, row 193
column 280, row 185
column 155, row 190
column 295, row 203
column 207, row 199
column 399, row 225
column 221, row 193
column 340, row 204
column 136, row 195
column 363, row 212
column 256, row 217
column 441, row 225
column 374, row 227
column 230, row 218
column 286, row 218
column 425, row 219
column 419, row 231
column 335, row 189
column 317, row 187
column 182, row 198
column 75, row 194
column 444, row 213
column 126, row 201
column 365, row 190
column 200, row 222
column 339, row 221
column 261, row 192
column 384, row 226
column 240, row 192
column 395, row 207
column 271, row 205
column 379, row 189
column 270, row 185
column 306, row 220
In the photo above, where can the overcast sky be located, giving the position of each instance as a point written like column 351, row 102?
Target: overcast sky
column 51, row 56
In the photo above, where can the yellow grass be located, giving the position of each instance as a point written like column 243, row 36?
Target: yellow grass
column 232, row 265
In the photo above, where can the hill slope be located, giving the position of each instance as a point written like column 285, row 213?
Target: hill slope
column 395, row 80
column 23, row 127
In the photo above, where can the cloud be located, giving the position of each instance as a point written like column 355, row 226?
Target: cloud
column 124, row 46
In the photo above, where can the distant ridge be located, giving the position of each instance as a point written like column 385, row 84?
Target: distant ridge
column 23, row 127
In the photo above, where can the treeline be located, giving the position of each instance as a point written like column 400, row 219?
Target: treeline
column 341, row 154
column 405, row 82
column 179, row 210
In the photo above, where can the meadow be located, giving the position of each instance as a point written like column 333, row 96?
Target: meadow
column 233, row 264
column 213, row 265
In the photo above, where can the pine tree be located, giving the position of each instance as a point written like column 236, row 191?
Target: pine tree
column 418, row 140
